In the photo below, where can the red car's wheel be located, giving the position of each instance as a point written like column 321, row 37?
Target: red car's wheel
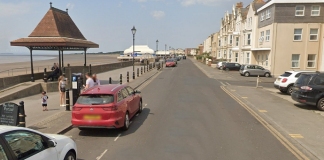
column 126, row 122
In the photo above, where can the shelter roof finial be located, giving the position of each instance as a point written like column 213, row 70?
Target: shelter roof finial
column 51, row 4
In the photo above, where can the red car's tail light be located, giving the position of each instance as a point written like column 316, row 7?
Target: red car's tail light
column 113, row 108
column 76, row 108
column 307, row 88
column 284, row 80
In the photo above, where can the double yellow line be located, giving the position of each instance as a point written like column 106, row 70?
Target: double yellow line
column 272, row 130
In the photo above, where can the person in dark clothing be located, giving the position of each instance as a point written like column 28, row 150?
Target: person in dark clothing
column 55, row 72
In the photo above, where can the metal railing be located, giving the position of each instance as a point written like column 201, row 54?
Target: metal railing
column 23, row 70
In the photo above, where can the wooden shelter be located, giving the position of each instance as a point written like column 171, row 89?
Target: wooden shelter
column 56, row 31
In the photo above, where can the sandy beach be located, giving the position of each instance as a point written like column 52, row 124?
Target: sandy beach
column 72, row 59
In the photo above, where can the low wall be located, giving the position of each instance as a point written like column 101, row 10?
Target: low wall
column 14, row 80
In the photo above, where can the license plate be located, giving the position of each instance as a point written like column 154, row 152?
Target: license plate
column 91, row 117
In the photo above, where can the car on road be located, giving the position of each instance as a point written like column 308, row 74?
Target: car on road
column 106, row 106
column 285, row 82
column 309, row 89
column 220, row 65
column 170, row 63
column 231, row 67
column 254, row 70
column 23, row 143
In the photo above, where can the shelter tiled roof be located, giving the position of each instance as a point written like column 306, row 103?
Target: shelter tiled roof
column 55, row 29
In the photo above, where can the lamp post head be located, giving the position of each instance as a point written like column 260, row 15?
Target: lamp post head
column 157, row 41
column 133, row 30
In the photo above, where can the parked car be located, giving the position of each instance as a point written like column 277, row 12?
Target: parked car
column 309, row 89
column 184, row 57
column 170, row 63
column 106, row 106
column 231, row 66
column 24, row 143
column 220, row 65
column 285, row 82
column 175, row 60
column 254, row 70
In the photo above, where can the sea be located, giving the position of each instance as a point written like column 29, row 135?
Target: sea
column 12, row 58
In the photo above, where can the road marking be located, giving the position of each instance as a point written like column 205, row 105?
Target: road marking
column 117, row 137
column 228, row 83
column 144, row 106
column 295, row 151
column 296, row 135
column 99, row 157
column 223, row 84
column 245, row 97
column 263, row 111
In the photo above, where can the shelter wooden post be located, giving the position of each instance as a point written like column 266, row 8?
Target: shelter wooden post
column 85, row 56
column 60, row 61
column 31, row 64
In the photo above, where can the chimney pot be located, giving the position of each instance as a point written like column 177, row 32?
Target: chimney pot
column 67, row 10
column 51, row 4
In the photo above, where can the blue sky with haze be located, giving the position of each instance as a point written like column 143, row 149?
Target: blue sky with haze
column 177, row 23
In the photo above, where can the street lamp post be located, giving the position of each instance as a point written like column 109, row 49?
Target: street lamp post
column 165, row 50
column 133, row 32
column 157, row 46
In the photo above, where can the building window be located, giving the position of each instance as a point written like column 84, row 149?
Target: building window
column 225, row 41
column 247, row 58
column 313, row 34
column 295, row 61
column 267, row 59
column 262, row 35
column 237, row 41
column 268, row 14
column 230, row 39
column 236, row 57
column 316, row 10
column 219, row 43
column 225, row 55
column 219, row 53
column 267, row 35
column 262, row 16
column 299, row 11
column 311, row 60
column 230, row 54
column 298, row 34
column 248, row 39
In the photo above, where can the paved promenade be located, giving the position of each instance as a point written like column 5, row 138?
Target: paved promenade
column 57, row 119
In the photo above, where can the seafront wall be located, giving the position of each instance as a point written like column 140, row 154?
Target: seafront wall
column 14, row 80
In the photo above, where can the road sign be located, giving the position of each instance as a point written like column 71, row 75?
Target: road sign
column 9, row 114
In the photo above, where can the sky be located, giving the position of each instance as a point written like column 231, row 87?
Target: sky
column 176, row 23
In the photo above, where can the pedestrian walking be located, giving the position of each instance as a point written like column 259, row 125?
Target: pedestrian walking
column 89, row 82
column 95, row 79
column 44, row 101
column 61, row 87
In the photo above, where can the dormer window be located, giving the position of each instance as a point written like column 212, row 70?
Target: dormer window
column 268, row 14
column 300, row 11
column 262, row 16
column 315, row 10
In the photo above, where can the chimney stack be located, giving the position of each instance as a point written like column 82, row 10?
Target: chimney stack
column 239, row 5
column 51, row 4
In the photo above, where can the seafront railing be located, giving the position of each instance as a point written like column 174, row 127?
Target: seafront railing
column 23, row 70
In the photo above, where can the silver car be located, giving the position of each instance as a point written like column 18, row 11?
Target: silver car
column 254, row 70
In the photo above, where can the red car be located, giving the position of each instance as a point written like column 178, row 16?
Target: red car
column 106, row 106
column 170, row 63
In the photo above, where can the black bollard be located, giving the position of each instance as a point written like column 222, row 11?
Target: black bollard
column 90, row 70
column 133, row 75
column 121, row 79
column 67, row 100
column 21, row 110
column 137, row 72
column 147, row 68
column 127, row 76
column 141, row 70
column 144, row 69
column 45, row 76
column 109, row 80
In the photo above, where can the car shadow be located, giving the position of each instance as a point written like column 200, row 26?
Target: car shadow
column 305, row 106
column 137, row 122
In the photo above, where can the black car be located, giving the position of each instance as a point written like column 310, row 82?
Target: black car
column 309, row 89
column 231, row 67
column 184, row 57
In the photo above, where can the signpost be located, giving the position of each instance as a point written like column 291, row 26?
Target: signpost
column 9, row 114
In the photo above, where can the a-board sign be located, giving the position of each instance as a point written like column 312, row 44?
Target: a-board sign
column 9, row 114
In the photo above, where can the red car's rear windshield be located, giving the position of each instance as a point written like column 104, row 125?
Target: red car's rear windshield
column 170, row 60
column 95, row 99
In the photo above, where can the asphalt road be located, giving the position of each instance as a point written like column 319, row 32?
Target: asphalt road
column 186, row 116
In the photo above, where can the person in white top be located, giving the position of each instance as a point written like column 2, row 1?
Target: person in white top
column 44, row 101
column 95, row 79
column 89, row 83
